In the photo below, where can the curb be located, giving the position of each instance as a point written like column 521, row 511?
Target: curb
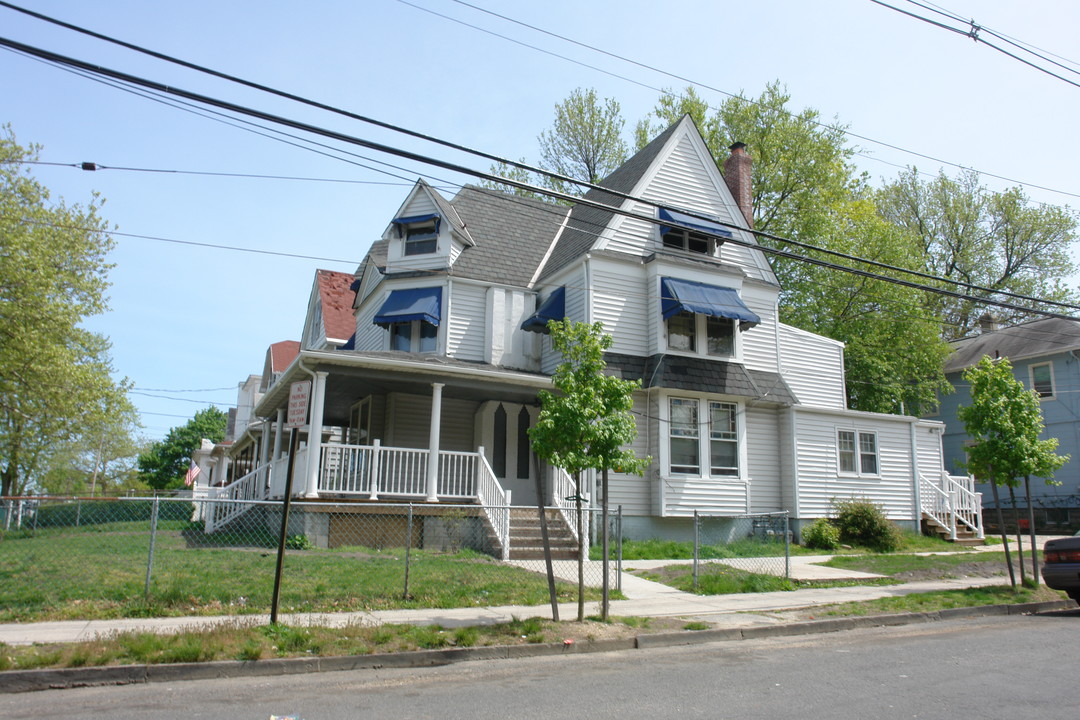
column 17, row 681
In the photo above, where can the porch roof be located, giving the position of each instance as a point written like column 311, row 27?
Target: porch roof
column 353, row 374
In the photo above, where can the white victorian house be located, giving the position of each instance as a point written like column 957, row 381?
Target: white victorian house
column 431, row 397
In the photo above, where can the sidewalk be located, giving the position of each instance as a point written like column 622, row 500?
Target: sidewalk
column 644, row 598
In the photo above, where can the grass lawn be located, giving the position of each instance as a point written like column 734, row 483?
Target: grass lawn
column 934, row 601
column 97, row 574
column 925, row 567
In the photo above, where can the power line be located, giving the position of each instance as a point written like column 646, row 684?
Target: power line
column 454, row 167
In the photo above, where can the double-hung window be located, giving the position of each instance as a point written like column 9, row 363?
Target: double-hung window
column 701, row 319
column 690, row 439
column 1042, row 379
column 421, row 238
column 414, row 336
column 857, row 452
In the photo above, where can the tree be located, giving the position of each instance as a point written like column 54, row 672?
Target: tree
column 806, row 188
column 164, row 464
column 1004, row 421
column 999, row 241
column 584, row 143
column 588, row 423
column 53, row 275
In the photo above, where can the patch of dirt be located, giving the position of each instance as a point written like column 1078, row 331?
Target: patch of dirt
column 985, row 568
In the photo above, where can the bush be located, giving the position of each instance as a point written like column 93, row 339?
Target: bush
column 861, row 522
column 822, row 534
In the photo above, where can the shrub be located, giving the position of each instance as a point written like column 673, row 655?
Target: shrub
column 862, row 522
column 821, row 534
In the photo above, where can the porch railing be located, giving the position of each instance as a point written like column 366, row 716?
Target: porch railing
column 374, row 471
column 280, row 467
column 253, row 486
column 563, row 488
column 952, row 502
column 495, row 501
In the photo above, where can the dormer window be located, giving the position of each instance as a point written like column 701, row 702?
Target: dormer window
column 700, row 319
column 412, row 317
column 419, row 232
column 690, row 233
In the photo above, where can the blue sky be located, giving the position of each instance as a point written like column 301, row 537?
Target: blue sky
column 188, row 318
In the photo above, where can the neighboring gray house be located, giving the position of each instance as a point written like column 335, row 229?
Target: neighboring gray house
column 433, row 397
column 1045, row 355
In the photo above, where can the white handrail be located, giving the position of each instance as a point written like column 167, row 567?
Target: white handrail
column 252, row 486
column 374, row 470
column 952, row 503
column 563, row 487
column 495, row 503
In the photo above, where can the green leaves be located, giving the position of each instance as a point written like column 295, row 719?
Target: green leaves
column 588, row 422
column 163, row 465
column 1005, row 422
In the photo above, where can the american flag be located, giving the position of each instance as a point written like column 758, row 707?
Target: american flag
column 192, row 473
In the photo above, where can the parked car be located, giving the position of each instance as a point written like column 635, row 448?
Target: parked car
column 1061, row 565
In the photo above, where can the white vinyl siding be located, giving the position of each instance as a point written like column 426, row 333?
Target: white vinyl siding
column 370, row 336
column 408, row 422
column 576, row 302
column 819, row 476
column 632, row 492
column 619, row 303
column 759, row 343
column 468, row 322
column 763, row 452
column 813, row 367
column 928, row 449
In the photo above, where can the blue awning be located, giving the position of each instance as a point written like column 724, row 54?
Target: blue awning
column 413, row 304
column 402, row 222
column 699, row 298
column 693, row 223
column 554, row 308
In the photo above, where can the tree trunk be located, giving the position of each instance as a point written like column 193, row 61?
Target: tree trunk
column 1004, row 532
column 552, row 594
column 1031, row 530
column 606, row 600
column 580, row 550
column 1019, row 534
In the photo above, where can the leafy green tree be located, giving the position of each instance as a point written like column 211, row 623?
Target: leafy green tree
column 997, row 240
column 587, row 423
column 1004, row 421
column 53, row 275
column 165, row 462
column 584, row 143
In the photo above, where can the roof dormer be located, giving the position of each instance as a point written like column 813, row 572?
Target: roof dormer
column 426, row 233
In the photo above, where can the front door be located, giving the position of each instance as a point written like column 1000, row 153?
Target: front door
column 504, row 434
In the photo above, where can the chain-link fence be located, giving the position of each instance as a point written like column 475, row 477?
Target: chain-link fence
column 739, row 547
column 83, row 558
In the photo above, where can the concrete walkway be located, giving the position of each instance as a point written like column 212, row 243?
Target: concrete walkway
column 644, row 598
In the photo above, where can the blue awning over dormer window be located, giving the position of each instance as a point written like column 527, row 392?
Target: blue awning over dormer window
column 692, row 223
column 554, row 308
column 403, row 222
column 424, row 304
column 685, row 295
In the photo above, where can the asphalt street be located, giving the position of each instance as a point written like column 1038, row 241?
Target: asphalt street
column 991, row 667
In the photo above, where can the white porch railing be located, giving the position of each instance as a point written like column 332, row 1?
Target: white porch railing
column 252, row 486
column 374, row 471
column 952, row 502
column 280, row 467
column 563, row 487
column 495, row 501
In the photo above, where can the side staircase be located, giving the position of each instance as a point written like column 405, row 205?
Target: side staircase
column 951, row 508
column 526, row 541
column 964, row 534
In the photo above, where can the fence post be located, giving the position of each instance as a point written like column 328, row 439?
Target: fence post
column 373, row 470
column 33, row 527
column 408, row 547
column 695, row 548
column 787, row 547
column 153, row 537
column 618, row 545
column 78, row 512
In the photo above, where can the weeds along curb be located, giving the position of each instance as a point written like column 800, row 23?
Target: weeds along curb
column 16, row 681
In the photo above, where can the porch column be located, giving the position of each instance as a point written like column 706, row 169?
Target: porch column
column 314, row 442
column 264, row 443
column 279, row 428
column 433, row 457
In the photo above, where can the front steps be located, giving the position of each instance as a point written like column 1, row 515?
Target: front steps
column 964, row 535
column 526, row 541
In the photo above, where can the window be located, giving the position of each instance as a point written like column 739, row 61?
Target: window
column 1042, row 379
column 691, row 232
column 718, row 334
column 683, row 239
column 421, row 238
column 415, row 336
column 687, row 444
column 857, row 452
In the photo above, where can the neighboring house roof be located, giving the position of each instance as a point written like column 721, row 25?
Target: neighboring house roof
column 337, row 304
column 586, row 223
column 282, row 354
column 1038, row 338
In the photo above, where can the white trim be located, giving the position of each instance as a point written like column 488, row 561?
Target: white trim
column 1053, row 380
column 857, row 434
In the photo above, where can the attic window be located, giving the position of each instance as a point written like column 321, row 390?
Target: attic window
column 690, row 233
column 421, row 233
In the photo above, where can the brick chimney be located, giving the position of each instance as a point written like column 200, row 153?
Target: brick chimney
column 738, row 174
column 988, row 323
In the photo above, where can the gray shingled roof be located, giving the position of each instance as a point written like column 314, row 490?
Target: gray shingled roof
column 586, row 223
column 1051, row 336
column 447, row 211
column 677, row 372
